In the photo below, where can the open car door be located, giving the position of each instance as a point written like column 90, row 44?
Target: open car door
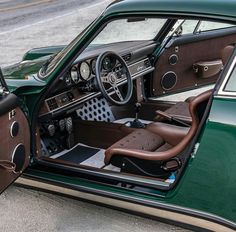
column 14, row 137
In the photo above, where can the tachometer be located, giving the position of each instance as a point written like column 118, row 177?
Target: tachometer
column 85, row 71
column 109, row 63
column 74, row 74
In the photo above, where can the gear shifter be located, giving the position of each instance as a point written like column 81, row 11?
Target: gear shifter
column 137, row 123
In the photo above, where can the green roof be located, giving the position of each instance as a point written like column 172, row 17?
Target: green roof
column 211, row 8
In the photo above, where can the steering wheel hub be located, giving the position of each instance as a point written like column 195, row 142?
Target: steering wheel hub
column 112, row 77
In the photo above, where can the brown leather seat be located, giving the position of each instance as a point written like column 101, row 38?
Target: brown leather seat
column 147, row 144
column 180, row 109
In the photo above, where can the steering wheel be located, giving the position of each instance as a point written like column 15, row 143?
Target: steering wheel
column 112, row 72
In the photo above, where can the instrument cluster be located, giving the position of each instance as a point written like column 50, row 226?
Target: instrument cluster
column 82, row 72
column 85, row 71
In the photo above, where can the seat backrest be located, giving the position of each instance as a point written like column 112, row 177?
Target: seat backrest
column 197, row 107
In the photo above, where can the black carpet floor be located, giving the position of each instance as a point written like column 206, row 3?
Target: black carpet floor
column 79, row 154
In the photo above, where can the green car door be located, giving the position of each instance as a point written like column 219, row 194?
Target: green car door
column 14, row 137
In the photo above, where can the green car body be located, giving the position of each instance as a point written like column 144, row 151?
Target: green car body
column 206, row 190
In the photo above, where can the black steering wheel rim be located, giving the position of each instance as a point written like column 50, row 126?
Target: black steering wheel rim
column 113, row 76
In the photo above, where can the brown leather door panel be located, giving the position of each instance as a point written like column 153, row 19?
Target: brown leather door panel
column 14, row 143
column 174, row 69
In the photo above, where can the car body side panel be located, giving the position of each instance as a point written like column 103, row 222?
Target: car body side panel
column 200, row 7
column 36, row 53
column 209, row 183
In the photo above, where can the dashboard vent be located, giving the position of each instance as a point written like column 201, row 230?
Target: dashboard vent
column 127, row 57
column 52, row 104
column 147, row 63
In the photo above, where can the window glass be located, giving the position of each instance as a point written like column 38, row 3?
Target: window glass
column 189, row 26
column 121, row 30
column 192, row 26
column 231, row 85
column 129, row 30
column 208, row 26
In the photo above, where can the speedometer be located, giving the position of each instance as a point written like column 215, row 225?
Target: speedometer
column 85, row 71
column 74, row 74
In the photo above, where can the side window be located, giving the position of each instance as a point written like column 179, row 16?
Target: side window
column 189, row 26
column 195, row 26
column 209, row 26
column 231, row 84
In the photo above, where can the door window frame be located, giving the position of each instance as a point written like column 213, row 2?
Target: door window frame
column 222, row 90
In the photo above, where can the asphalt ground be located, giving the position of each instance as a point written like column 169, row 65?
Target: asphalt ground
column 25, row 24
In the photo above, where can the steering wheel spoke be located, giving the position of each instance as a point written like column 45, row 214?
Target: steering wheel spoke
column 118, row 93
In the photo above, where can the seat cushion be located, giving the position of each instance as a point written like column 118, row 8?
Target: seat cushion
column 140, row 139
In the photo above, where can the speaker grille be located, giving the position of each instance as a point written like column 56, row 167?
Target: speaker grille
column 168, row 80
column 173, row 59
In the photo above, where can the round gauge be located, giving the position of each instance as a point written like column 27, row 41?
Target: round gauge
column 84, row 71
column 74, row 74
column 109, row 63
column 93, row 66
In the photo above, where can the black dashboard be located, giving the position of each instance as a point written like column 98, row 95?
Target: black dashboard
column 78, row 84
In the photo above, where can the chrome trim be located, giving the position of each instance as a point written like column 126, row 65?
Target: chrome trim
column 13, row 155
column 224, row 83
column 146, row 71
column 14, row 151
column 139, row 62
column 135, row 204
column 11, row 128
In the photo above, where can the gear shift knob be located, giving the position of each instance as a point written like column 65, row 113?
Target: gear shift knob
column 137, row 123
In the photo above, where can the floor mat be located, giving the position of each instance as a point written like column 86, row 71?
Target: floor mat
column 85, row 155
column 77, row 154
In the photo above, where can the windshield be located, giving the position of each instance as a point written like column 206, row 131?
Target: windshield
column 120, row 30
column 137, row 29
